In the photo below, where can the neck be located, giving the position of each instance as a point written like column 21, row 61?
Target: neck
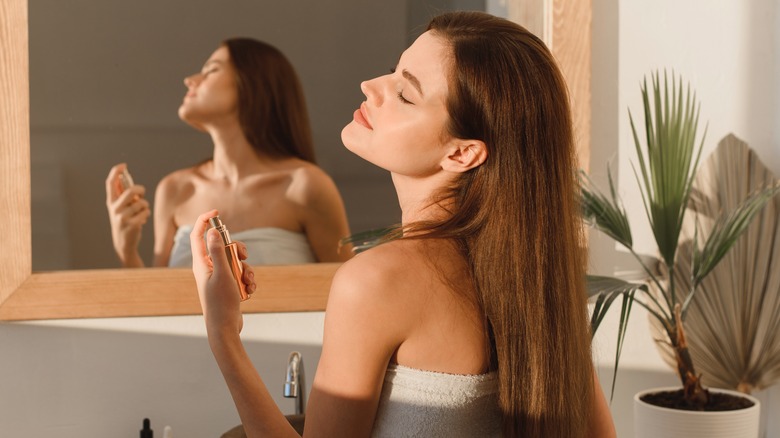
column 416, row 197
column 234, row 157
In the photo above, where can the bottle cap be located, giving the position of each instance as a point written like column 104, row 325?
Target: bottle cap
column 147, row 431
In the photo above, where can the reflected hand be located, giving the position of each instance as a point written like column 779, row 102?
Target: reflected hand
column 217, row 289
column 128, row 211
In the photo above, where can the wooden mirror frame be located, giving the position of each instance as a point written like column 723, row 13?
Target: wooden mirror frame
column 25, row 295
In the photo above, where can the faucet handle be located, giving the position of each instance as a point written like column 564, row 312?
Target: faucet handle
column 292, row 381
column 294, row 384
column 290, row 389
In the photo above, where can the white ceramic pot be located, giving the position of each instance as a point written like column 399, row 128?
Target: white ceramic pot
column 654, row 421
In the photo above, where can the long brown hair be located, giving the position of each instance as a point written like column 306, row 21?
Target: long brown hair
column 516, row 220
column 271, row 104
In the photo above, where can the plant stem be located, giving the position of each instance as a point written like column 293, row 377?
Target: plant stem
column 657, row 283
column 694, row 393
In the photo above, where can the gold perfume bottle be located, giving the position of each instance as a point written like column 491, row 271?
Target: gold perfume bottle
column 125, row 179
column 124, row 182
column 231, row 250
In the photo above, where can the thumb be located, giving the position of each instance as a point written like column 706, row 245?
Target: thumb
column 217, row 253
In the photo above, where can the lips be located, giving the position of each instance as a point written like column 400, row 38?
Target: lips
column 361, row 117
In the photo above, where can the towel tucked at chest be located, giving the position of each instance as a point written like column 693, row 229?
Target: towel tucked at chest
column 266, row 246
column 417, row 403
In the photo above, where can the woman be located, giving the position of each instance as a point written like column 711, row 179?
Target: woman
column 262, row 176
column 473, row 322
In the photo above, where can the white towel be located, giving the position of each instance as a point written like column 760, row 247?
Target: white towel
column 417, row 403
column 266, row 246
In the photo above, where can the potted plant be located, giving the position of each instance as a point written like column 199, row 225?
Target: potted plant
column 667, row 168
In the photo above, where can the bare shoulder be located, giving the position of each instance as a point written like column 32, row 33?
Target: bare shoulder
column 385, row 273
column 382, row 263
column 176, row 182
column 310, row 184
column 375, row 289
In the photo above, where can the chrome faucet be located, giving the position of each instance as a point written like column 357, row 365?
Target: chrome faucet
column 295, row 384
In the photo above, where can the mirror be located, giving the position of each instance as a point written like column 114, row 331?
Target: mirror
column 104, row 90
column 161, row 291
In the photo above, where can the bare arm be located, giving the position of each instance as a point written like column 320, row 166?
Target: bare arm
column 324, row 218
column 602, row 425
column 361, row 334
column 164, row 224
column 220, row 303
column 364, row 325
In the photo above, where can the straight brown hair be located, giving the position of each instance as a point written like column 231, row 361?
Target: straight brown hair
column 517, row 223
column 271, row 104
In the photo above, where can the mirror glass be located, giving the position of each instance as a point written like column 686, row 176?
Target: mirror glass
column 106, row 80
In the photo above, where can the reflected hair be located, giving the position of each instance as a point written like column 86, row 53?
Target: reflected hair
column 516, row 221
column 271, row 104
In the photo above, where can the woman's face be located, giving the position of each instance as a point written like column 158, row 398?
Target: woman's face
column 401, row 125
column 211, row 94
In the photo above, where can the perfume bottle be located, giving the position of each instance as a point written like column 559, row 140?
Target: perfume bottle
column 124, row 182
column 231, row 250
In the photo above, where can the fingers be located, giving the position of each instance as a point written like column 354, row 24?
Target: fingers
column 216, row 249
column 129, row 196
column 242, row 251
column 248, row 278
column 113, row 188
column 199, row 251
column 136, row 215
column 130, row 208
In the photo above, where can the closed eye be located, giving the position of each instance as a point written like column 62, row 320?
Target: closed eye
column 400, row 93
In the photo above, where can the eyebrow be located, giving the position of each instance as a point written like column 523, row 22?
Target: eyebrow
column 213, row 61
column 413, row 79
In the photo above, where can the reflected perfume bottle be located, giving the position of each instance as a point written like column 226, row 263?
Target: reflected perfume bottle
column 124, row 182
column 231, row 250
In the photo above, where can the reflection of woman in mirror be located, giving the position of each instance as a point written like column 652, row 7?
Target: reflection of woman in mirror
column 473, row 322
column 262, row 176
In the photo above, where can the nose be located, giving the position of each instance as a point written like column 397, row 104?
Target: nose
column 372, row 89
column 192, row 80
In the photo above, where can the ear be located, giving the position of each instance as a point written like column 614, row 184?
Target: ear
column 464, row 155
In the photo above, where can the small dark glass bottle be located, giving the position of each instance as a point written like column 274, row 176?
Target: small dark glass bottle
column 147, row 431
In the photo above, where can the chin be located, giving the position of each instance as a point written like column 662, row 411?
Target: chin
column 184, row 117
column 182, row 112
column 351, row 140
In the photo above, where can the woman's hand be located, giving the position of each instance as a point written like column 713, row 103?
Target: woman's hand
column 128, row 211
column 217, row 289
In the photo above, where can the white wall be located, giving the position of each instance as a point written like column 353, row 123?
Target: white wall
column 100, row 378
column 729, row 51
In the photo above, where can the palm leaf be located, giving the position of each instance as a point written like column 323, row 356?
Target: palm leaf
column 725, row 232
column 733, row 324
column 607, row 290
column 669, row 160
column 606, row 214
column 367, row 239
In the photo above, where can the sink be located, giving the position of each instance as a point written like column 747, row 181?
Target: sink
column 297, row 422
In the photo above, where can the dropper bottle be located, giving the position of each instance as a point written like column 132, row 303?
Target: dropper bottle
column 147, row 431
